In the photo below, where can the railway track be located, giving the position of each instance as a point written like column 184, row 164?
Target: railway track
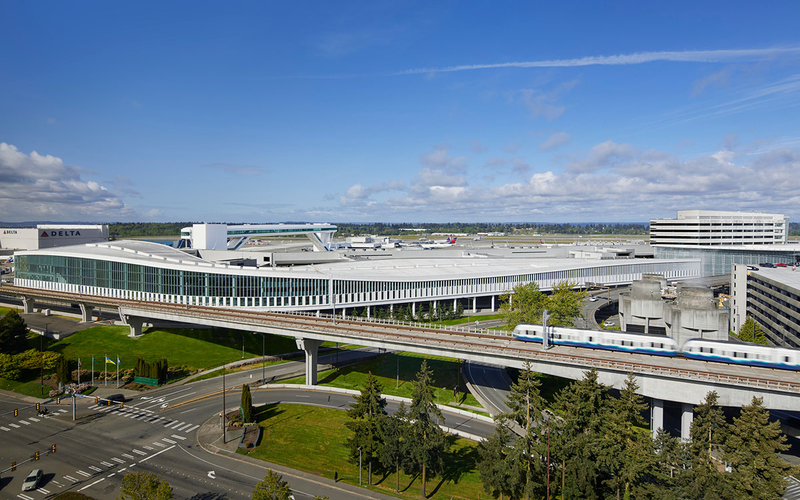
column 499, row 344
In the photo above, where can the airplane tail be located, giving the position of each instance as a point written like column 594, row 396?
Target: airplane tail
column 452, row 239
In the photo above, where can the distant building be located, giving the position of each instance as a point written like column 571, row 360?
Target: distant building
column 706, row 227
column 721, row 239
column 51, row 235
column 772, row 298
column 692, row 313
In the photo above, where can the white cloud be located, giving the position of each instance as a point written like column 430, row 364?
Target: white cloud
column 554, row 141
column 41, row 187
column 701, row 56
column 545, row 104
column 358, row 194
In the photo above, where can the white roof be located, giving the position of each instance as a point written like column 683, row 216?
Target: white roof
column 783, row 275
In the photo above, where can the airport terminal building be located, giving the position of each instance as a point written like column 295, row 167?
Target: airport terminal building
column 51, row 235
column 150, row 271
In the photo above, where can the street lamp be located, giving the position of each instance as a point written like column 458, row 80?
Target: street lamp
column 41, row 354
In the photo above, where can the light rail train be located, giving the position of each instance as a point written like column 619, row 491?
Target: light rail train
column 660, row 345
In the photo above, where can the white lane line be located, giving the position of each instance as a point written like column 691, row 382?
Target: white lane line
column 62, row 410
column 127, row 456
column 139, row 452
column 190, row 429
column 182, row 438
column 169, row 426
column 82, row 473
column 34, row 419
column 107, row 464
column 148, row 448
column 118, row 460
column 14, row 426
column 71, row 479
column 187, row 411
column 42, row 490
column 4, row 429
column 24, row 422
column 182, row 427
column 94, row 407
column 24, row 497
column 162, row 445
column 96, row 469
column 167, row 440
column 299, row 396
column 157, row 453
column 90, row 485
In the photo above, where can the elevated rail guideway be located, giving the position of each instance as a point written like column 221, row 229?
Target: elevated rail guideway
column 676, row 379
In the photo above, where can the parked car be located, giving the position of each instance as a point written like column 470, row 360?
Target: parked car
column 752, row 268
column 767, row 264
column 115, row 398
column 32, row 481
column 781, row 265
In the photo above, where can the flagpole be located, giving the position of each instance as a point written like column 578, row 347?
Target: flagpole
column 79, row 371
column 92, row 370
column 117, row 370
column 105, row 370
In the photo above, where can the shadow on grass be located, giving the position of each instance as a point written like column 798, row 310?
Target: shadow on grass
column 456, row 464
column 225, row 337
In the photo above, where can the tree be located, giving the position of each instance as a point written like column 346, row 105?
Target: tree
column 394, row 452
column 367, row 412
column 272, row 487
column 13, row 333
column 524, row 305
column 248, row 414
column 708, row 431
column 63, row 373
column 144, row 486
column 564, row 304
column 427, row 440
column 751, row 449
column 527, row 409
column 751, row 331
column 497, row 470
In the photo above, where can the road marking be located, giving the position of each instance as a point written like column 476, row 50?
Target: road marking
column 90, row 485
column 182, row 427
column 94, row 407
column 187, row 411
column 96, row 469
column 190, row 429
column 112, row 474
column 118, row 460
column 24, row 497
column 139, row 452
column 128, row 456
column 167, row 440
column 42, row 490
column 34, row 419
column 148, row 448
column 155, row 454
column 176, row 423
column 14, row 426
column 71, row 479
column 162, row 445
column 299, row 396
column 107, row 464
column 62, row 410
column 57, row 483
column 82, row 473
column 5, row 429
column 178, row 437
column 24, row 422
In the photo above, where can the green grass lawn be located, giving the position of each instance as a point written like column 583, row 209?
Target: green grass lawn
column 194, row 349
column 313, row 440
column 30, row 387
column 445, row 376
column 468, row 319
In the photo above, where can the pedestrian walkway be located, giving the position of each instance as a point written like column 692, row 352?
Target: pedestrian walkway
column 793, row 490
column 8, row 425
column 147, row 416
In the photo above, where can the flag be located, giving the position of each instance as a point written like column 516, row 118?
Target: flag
column 117, row 359
column 108, row 360
column 79, row 363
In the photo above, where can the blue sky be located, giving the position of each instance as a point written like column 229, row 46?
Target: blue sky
column 397, row 111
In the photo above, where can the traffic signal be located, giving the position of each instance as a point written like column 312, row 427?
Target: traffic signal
column 37, row 406
column 58, row 401
column 120, row 405
column 36, row 456
column 96, row 400
column 16, row 412
column 53, row 448
column 13, row 466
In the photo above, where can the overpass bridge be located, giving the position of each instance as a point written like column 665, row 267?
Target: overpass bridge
column 677, row 379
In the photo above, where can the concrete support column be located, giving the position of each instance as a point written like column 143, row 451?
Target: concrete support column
column 493, row 306
column 687, row 416
column 344, row 312
column 656, row 416
column 28, row 304
column 87, row 312
column 434, row 307
column 455, row 304
column 391, row 309
column 318, row 312
column 413, row 308
column 474, row 305
column 369, row 312
column 311, row 347
column 134, row 323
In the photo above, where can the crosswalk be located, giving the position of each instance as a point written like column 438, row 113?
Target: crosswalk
column 147, row 416
column 793, row 490
column 10, row 426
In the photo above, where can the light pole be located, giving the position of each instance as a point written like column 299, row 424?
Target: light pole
column 359, row 466
column 224, row 418
column 41, row 354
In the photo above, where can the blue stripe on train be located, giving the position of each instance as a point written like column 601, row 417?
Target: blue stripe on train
column 608, row 347
column 741, row 361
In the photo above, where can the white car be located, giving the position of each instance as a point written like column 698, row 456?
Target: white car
column 32, row 481
column 593, row 299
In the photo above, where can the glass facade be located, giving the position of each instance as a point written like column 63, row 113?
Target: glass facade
column 718, row 261
column 253, row 288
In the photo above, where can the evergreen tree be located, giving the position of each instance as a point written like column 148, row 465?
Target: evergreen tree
column 394, row 452
column 63, row 373
column 13, row 333
column 705, row 480
column 751, row 449
column 248, row 415
column 527, row 409
column 583, row 407
column 367, row 413
column 272, row 487
column 663, row 476
column 427, row 440
column 499, row 474
column 751, row 331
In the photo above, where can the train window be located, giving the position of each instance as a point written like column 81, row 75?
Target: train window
column 711, row 350
column 744, row 355
column 785, row 360
column 590, row 339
